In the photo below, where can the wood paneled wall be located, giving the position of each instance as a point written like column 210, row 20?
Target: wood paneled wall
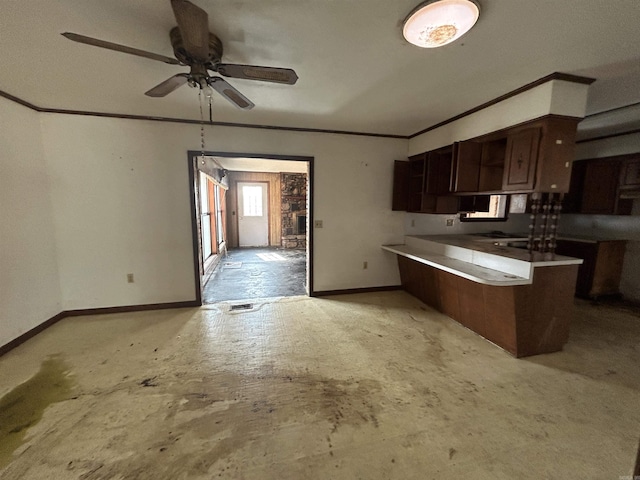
column 275, row 194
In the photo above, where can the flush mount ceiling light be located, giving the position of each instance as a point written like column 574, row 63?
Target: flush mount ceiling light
column 438, row 22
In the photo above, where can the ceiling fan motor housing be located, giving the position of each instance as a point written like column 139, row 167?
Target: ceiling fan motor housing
column 215, row 48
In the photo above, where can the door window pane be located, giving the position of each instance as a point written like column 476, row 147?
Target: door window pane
column 252, row 200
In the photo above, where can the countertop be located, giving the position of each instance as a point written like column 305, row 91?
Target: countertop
column 495, row 246
column 477, row 258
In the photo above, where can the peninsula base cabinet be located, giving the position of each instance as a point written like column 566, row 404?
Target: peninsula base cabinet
column 524, row 320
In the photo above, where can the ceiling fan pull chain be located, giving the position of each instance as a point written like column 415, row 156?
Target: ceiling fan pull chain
column 201, row 123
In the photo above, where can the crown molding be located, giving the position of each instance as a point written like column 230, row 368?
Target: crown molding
column 554, row 76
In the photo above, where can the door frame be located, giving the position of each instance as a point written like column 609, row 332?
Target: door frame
column 193, row 167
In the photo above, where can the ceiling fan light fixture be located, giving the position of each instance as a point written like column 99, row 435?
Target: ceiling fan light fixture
column 436, row 23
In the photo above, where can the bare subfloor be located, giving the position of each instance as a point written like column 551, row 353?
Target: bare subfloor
column 371, row 386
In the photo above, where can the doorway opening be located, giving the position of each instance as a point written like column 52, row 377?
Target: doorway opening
column 250, row 222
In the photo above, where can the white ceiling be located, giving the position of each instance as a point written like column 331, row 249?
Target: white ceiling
column 356, row 71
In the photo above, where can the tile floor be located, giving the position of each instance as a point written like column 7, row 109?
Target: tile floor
column 370, row 386
column 249, row 273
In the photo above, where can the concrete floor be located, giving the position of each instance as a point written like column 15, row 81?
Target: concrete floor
column 370, row 386
column 262, row 273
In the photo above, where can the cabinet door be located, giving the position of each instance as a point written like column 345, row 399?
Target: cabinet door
column 572, row 202
column 448, row 290
column 445, row 164
column 416, row 182
column 600, row 189
column 438, row 172
column 520, row 160
column 437, row 182
column 466, row 166
column 400, row 199
column 431, row 174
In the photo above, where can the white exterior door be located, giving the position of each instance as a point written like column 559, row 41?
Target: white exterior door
column 253, row 215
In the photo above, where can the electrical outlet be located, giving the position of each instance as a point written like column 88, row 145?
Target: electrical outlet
column 317, row 223
column 129, row 277
column 365, row 265
column 449, row 222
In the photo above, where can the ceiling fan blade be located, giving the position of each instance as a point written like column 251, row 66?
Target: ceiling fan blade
column 253, row 72
column 227, row 91
column 168, row 86
column 119, row 48
column 193, row 23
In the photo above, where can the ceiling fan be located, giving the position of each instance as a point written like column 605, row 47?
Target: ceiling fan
column 194, row 46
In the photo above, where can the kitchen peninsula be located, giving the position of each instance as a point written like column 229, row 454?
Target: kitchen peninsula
column 520, row 301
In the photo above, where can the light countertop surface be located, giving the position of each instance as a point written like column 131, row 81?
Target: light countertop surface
column 477, row 258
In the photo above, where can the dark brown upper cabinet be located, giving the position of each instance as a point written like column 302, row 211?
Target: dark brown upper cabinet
column 520, row 160
column 535, row 156
column 556, row 154
column 539, row 155
column 465, row 172
column 492, row 165
column 532, row 157
column 428, row 183
column 478, row 166
column 604, row 186
column 417, row 166
column 599, row 194
column 439, row 163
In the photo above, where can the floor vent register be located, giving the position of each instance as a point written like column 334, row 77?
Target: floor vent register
column 242, row 306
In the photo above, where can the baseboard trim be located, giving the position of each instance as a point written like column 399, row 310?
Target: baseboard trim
column 91, row 311
column 31, row 333
column 351, row 291
column 131, row 308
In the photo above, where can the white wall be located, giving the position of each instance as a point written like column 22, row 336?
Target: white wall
column 29, row 283
column 427, row 224
column 121, row 205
